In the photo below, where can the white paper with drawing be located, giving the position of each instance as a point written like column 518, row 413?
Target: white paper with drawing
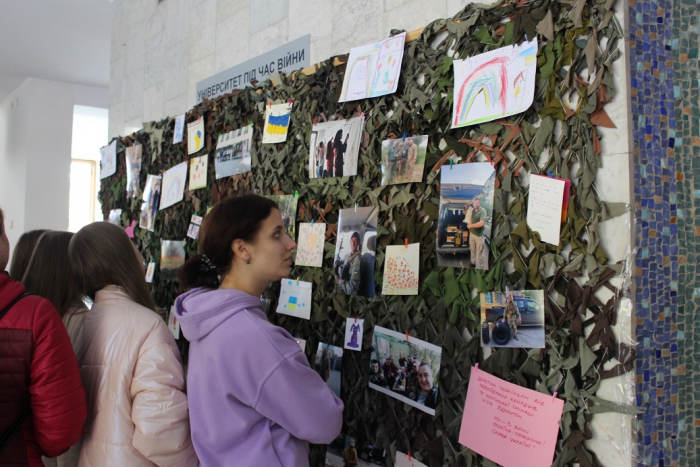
column 373, row 70
column 312, row 238
column 544, row 207
column 295, row 298
column 495, row 84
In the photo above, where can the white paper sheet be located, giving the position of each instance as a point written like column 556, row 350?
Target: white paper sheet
column 544, row 207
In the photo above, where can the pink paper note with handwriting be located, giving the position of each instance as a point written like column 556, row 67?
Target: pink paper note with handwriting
column 507, row 423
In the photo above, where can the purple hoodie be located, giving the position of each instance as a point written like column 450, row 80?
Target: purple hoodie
column 253, row 398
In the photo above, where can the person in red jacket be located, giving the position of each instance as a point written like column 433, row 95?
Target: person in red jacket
column 39, row 371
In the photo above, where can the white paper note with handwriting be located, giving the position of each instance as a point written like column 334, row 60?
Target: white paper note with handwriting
column 544, row 207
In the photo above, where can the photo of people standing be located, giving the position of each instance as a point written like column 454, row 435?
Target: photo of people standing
column 466, row 209
column 329, row 364
column 334, row 148
column 407, row 370
column 353, row 267
column 513, row 319
column 403, row 159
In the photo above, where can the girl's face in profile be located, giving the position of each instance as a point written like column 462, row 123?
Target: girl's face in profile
column 271, row 254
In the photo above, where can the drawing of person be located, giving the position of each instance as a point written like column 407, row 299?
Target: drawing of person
column 355, row 328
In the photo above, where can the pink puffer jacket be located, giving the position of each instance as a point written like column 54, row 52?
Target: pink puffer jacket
column 134, row 382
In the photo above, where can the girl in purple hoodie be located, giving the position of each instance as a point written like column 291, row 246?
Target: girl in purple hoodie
column 254, row 399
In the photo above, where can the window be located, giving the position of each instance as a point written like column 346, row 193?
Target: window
column 89, row 135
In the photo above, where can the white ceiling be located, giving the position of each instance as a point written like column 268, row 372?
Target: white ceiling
column 59, row 40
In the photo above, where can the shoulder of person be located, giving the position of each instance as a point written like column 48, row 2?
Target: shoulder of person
column 256, row 330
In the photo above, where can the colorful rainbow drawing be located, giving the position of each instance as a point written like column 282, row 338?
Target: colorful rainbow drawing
column 174, row 188
column 277, row 124
column 489, row 87
column 491, row 79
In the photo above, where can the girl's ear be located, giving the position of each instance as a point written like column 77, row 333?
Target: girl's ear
column 240, row 249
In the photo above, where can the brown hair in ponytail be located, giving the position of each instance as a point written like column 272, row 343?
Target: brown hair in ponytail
column 238, row 217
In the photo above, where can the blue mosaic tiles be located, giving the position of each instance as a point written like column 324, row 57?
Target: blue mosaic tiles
column 656, row 236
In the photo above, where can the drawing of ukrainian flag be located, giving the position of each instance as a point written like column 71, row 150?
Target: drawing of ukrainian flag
column 277, row 124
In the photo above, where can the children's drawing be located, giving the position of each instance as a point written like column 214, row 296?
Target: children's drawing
column 276, row 123
column 179, row 129
column 195, row 219
column 174, row 323
column 151, row 200
column 108, row 160
column 401, row 269
column 373, row 70
column 312, row 238
column 132, row 154
column 353, row 333
column 173, row 185
column 295, row 299
column 195, row 135
column 495, row 84
column 193, row 231
column 198, row 172
column 233, row 152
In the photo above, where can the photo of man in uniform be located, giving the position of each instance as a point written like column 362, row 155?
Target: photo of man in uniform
column 513, row 317
column 403, row 160
column 347, row 273
column 355, row 248
column 479, row 255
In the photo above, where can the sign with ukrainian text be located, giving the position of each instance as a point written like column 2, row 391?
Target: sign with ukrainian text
column 284, row 59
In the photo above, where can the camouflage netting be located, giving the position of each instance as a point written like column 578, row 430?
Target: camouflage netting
column 557, row 133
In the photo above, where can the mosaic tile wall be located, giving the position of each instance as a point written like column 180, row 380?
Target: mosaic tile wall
column 684, row 47
column 656, row 213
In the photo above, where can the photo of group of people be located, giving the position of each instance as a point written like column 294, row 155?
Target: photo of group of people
column 406, row 369
column 355, row 250
column 334, row 148
column 403, row 159
column 328, row 364
column 233, row 152
column 466, row 211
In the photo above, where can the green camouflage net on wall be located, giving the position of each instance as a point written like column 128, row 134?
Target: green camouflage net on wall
column 549, row 136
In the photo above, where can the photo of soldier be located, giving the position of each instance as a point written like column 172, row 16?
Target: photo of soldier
column 353, row 267
column 513, row 319
column 403, row 160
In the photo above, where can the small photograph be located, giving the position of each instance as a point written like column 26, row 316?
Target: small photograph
column 193, row 231
column 401, row 265
column 276, row 123
column 288, row 210
column 151, row 201
column 346, row 451
column 403, row 160
column 334, row 148
column 172, row 256
column 513, row 319
column 466, row 212
column 198, row 172
column 133, row 154
column 233, row 152
column 355, row 250
column 174, row 180
column 195, row 136
column 328, row 364
column 150, row 270
column 407, row 370
column 179, row 129
column 108, row 160
column 312, row 238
